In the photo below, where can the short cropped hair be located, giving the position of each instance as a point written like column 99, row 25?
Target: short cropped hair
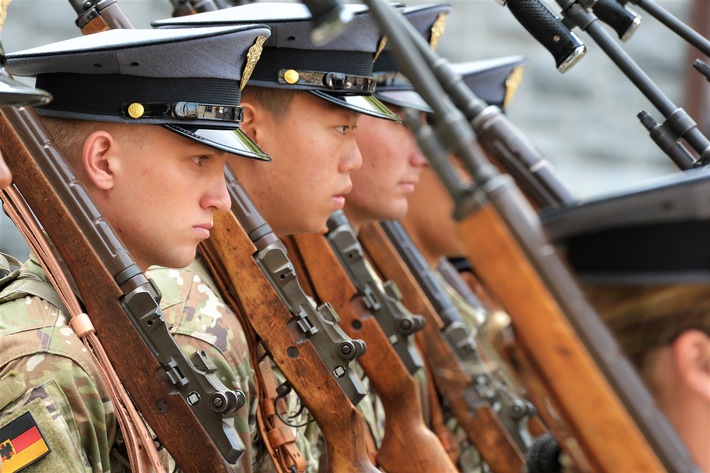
column 645, row 318
column 69, row 135
column 275, row 101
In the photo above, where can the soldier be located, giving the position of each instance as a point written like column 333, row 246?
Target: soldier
column 150, row 148
column 301, row 106
column 331, row 85
column 642, row 261
column 394, row 167
column 13, row 93
column 430, row 223
column 429, row 218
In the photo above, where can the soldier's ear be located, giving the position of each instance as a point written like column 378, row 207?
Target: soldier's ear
column 692, row 357
column 96, row 159
column 250, row 122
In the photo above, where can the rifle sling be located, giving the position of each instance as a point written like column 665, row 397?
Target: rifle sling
column 140, row 447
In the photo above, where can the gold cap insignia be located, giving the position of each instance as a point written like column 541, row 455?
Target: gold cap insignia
column 511, row 84
column 437, row 30
column 253, row 56
column 135, row 110
column 291, row 76
column 380, row 47
column 3, row 11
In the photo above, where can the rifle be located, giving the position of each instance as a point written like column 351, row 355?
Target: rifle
column 408, row 445
column 325, row 359
column 305, row 343
column 499, row 433
column 498, row 338
column 383, row 300
column 182, row 400
column 99, row 15
column 190, row 7
column 565, row 337
column 514, row 411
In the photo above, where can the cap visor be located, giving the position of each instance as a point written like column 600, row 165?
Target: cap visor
column 231, row 141
column 365, row 104
column 404, row 98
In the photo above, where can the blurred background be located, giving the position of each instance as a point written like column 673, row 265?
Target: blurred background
column 583, row 121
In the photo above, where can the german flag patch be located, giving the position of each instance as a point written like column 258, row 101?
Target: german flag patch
column 21, row 444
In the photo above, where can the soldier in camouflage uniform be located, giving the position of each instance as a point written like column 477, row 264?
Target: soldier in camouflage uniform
column 13, row 93
column 47, row 379
column 430, row 224
column 393, row 167
column 309, row 174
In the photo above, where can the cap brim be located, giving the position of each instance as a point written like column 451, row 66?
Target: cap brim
column 13, row 93
column 231, row 141
column 365, row 104
column 404, row 98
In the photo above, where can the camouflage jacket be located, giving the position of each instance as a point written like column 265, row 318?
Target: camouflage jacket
column 46, row 372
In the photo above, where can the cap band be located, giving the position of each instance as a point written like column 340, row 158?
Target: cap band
column 334, row 81
column 183, row 110
column 204, row 101
column 326, row 70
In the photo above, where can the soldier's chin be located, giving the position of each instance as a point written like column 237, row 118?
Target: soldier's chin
column 181, row 260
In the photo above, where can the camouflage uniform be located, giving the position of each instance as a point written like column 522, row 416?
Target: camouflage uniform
column 201, row 321
column 307, row 435
column 45, row 370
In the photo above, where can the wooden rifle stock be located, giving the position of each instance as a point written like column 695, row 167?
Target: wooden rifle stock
column 230, row 254
column 473, row 412
column 500, row 336
column 27, row 147
column 507, row 247
column 597, row 418
column 95, row 16
column 408, row 445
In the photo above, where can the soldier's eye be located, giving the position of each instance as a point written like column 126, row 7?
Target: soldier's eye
column 199, row 160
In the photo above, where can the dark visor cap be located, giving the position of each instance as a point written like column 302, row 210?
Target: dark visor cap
column 186, row 80
column 339, row 71
column 657, row 234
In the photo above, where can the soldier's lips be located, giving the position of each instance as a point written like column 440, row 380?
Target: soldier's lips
column 338, row 201
column 408, row 186
column 203, row 230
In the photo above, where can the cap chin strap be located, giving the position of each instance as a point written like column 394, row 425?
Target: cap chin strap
column 335, row 81
column 183, row 111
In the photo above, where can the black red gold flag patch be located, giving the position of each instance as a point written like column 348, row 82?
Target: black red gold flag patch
column 21, row 443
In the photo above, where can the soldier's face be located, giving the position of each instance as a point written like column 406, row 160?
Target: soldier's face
column 429, row 219
column 5, row 175
column 313, row 151
column 163, row 194
column 391, row 166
